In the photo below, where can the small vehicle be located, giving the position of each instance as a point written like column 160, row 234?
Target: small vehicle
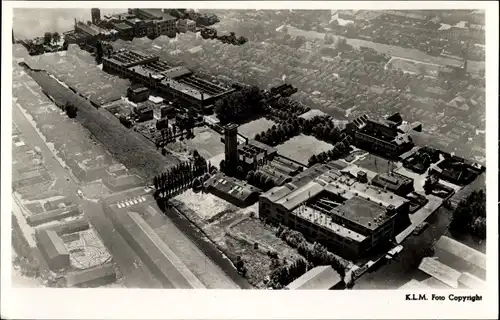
column 80, row 193
column 420, row 228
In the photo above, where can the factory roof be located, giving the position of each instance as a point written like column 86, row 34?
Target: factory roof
column 468, row 280
column 323, row 220
column 52, row 244
column 89, row 275
column 367, row 213
column 129, row 57
column 88, row 29
column 233, row 187
column 122, row 26
column 176, row 72
column 158, row 14
column 319, row 278
column 440, row 271
column 473, row 258
column 184, row 88
column 392, row 181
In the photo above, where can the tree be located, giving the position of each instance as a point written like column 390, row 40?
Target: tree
column 70, row 110
column 47, row 38
column 56, row 37
column 470, row 216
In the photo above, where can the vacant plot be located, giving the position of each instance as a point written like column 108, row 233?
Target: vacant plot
column 302, row 147
column 34, row 208
column 207, row 142
column 205, row 205
column 95, row 190
column 374, row 163
column 254, row 230
column 251, row 128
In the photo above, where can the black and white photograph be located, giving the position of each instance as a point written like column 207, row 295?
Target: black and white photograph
column 206, row 147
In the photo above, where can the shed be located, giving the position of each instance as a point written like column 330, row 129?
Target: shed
column 319, row 278
column 53, row 250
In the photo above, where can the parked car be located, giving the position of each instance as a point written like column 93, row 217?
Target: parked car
column 420, row 228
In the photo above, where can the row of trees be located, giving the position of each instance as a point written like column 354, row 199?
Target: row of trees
column 339, row 150
column 51, row 37
column 239, row 105
column 317, row 255
column 260, row 180
column 282, row 275
column 180, row 176
column 279, row 134
column 470, row 216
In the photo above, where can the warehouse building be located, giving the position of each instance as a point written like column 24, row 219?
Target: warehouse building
column 394, row 182
column 327, row 205
column 318, row 278
column 164, row 24
column 52, row 215
column 52, row 248
column 94, row 277
column 389, row 137
column 232, row 190
column 171, row 82
column 124, row 210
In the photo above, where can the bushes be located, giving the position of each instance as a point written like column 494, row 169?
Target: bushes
column 470, row 215
column 318, row 255
column 283, row 275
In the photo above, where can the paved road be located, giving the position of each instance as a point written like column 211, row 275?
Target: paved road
column 134, row 271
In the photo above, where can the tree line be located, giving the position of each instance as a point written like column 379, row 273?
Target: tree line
column 283, row 274
column 469, row 217
column 239, row 105
column 180, row 176
column 51, row 37
column 339, row 150
column 316, row 254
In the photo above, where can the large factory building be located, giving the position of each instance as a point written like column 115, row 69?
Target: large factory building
column 171, row 82
column 327, row 204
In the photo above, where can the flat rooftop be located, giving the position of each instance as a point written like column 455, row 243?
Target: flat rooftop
column 157, row 14
column 367, row 213
column 129, row 57
column 323, row 220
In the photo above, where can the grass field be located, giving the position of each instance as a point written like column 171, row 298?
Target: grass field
column 302, row 147
column 251, row 128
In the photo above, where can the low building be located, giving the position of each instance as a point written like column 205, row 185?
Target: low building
column 125, row 31
column 90, row 169
column 52, row 215
column 253, row 154
column 52, row 248
column 137, row 93
column 94, row 277
column 327, row 205
column 144, row 113
column 389, row 137
column 185, row 25
column 318, row 278
column 232, row 190
column 123, row 182
column 394, row 182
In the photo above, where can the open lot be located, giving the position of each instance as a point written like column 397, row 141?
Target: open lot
column 374, row 163
column 207, row 142
column 250, row 129
column 206, row 205
column 95, row 190
column 235, row 232
column 302, row 147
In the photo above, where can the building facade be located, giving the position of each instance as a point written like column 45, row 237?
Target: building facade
column 348, row 216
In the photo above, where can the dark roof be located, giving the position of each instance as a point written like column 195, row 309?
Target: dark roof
column 89, row 275
column 51, row 243
column 319, row 278
column 122, row 26
column 233, row 187
column 362, row 212
column 392, row 182
column 158, row 14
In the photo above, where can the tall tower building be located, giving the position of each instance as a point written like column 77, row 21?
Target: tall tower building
column 231, row 147
column 96, row 15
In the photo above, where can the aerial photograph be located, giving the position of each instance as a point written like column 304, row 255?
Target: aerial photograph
column 248, row 149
